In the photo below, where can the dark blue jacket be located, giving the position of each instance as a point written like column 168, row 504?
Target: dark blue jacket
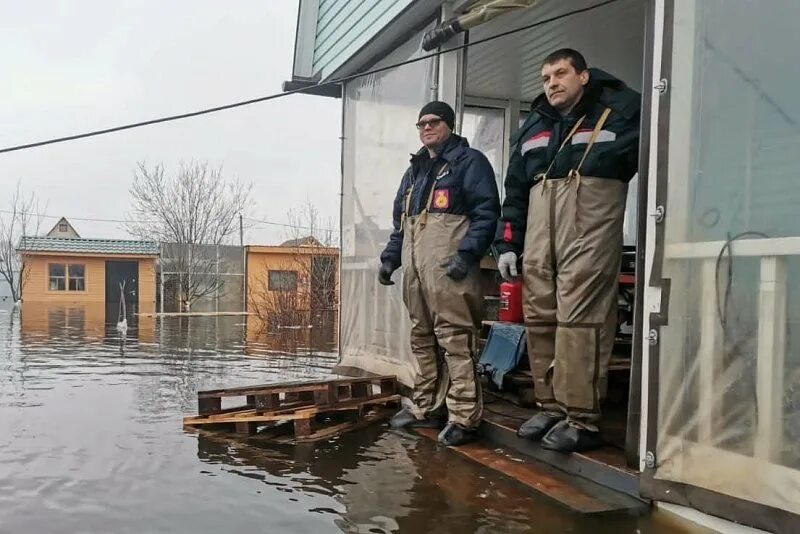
column 466, row 187
column 615, row 154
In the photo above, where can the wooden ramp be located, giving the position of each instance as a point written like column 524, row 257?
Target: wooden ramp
column 316, row 409
column 575, row 493
column 604, row 466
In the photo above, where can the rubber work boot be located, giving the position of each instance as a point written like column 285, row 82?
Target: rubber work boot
column 405, row 418
column 454, row 435
column 538, row 425
column 567, row 437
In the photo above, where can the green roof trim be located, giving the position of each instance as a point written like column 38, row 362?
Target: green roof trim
column 87, row 246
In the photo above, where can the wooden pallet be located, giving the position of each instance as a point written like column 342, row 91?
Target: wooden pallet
column 316, row 409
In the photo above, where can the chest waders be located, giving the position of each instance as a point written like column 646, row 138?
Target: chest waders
column 444, row 313
column 571, row 261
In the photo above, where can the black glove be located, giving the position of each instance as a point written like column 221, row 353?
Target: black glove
column 385, row 274
column 457, row 267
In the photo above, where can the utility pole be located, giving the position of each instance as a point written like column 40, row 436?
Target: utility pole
column 244, row 263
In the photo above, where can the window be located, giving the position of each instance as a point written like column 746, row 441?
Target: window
column 77, row 281
column 58, row 278
column 70, row 277
column 282, row 280
column 483, row 128
column 62, row 227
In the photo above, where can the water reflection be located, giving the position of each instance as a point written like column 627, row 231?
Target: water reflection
column 383, row 481
column 91, row 441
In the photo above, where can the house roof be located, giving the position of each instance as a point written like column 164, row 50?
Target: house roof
column 56, row 232
column 87, row 246
column 308, row 241
column 292, row 250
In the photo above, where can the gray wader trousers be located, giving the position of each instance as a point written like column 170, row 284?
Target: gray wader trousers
column 573, row 246
column 444, row 313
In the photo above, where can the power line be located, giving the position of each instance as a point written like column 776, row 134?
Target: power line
column 285, row 225
column 83, row 219
column 123, row 221
column 336, row 81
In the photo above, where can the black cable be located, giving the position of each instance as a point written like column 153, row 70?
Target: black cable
column 722, row 308
column 95, row 219
column 299, row 90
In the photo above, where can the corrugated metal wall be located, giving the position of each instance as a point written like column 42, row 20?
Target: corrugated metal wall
column 611, row 37
column 344, row 26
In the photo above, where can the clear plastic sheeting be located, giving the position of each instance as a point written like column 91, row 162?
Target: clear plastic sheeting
column 380, row 111
column 729, row 366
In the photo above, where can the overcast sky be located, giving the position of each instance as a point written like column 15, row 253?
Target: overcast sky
column 70, row 67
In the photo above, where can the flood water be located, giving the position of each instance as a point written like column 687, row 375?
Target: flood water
column 91, row 441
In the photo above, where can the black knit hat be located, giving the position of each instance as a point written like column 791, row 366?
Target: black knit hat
column 441, row 110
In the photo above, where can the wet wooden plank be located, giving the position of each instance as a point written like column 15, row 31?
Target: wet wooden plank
column 324, row 433
column 283, row 387
column 331, row 431
column 244, row 415
column 539, row 477
column 259, row 391
column 253, row 415
column 302, row 427
column 510, row 416
column 234, row 409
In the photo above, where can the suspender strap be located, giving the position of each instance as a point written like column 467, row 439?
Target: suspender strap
column 597, row 128
column 546, row 173
column 407, row 205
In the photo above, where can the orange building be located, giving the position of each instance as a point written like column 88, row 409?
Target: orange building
column 286, row 282
column 89, row 271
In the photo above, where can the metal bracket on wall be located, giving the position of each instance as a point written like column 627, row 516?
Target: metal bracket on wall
column 658, row 215
column 652, row 337
column 661, row 86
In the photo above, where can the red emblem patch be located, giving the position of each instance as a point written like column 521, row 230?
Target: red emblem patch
column 441, row 199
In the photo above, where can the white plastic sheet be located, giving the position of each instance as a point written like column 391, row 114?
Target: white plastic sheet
column 380, row 111
column 729, row 370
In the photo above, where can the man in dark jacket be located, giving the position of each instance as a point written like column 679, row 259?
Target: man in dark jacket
column 445, row 216
column 564, row 208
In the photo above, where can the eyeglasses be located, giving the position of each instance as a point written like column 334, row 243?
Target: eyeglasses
column 433, row 123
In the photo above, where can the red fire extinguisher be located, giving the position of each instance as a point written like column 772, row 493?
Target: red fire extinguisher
column 511, row 302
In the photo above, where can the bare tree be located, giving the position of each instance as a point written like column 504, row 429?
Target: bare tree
column 312, row 287
column 23, row 219
column 307, row 222
column 191, row 210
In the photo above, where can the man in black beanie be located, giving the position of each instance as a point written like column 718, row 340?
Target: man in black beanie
column 445, row 216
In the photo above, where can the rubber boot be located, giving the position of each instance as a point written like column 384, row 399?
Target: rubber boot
column 454, row 435
column 405, row 418
column 567, row 437
column 537, row 426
